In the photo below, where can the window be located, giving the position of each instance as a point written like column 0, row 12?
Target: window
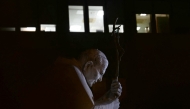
column 162, row 23
column 29, row 29
column 111, row 28
column 96, row 18
column 7, row 29
column 76, row 19
column 48, row 27
column 143, row 23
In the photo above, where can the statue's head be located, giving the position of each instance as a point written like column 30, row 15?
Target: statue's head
column 94, row 64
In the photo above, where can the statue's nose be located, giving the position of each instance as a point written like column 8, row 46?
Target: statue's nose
column 100, row 79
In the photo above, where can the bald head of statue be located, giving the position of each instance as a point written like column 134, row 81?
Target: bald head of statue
column 94, row 64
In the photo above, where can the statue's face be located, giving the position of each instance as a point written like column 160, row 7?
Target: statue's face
column 94, row 73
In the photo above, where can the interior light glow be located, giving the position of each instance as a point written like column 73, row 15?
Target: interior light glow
column 75, row 28
column 79, row 12
column 111, row 28
column 7, row 29
column 100, row 13
column 48, row 27
column 138, row 28
column 76, row 19
column 142, row 14
column 147, row 29
column 28, row 28
column 96, row 19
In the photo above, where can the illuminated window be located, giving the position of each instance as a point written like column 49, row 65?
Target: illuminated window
column 111, row 28
column 28, row 29
column 7, row 29
column 48, row 27
column 76, row 19
column 143, row 23
column 162, row 23
column 96, row 14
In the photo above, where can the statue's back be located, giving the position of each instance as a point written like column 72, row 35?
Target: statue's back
column 60, row 88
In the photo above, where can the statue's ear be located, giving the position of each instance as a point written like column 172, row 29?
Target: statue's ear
column 87, row 65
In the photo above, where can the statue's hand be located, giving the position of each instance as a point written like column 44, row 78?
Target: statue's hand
column 116, row 88
column 113, row 94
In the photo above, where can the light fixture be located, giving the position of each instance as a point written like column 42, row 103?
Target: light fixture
column 75, row 28
column 142, row 14
column 100, row 13
column 138, row 28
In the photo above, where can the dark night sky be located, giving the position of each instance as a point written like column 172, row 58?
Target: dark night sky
column 155, row 67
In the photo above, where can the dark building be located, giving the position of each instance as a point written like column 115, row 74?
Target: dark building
column 155, row 35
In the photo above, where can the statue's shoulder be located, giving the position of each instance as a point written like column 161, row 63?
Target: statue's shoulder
column 64, row 63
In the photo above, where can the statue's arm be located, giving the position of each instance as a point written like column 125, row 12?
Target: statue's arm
column 107, row 102
column 111, row 97
column 107, row 98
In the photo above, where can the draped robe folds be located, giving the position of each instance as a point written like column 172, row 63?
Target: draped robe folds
column 63, row 86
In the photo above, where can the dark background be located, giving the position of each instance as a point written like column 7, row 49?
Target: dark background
column 155, row 67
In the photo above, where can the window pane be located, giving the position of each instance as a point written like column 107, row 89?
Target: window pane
column 76, row 19
column 30, row 29
column 111, row 28
column 96, row 18
column 7, row 29
column 48, row 27
column 143, row 23
column 162, row 23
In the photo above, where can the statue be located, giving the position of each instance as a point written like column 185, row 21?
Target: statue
column 94, row 64
column 66, row 85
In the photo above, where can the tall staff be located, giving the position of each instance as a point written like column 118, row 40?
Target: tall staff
column 118, row 49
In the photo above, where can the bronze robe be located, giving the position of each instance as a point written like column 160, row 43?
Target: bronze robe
column 62, row 87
